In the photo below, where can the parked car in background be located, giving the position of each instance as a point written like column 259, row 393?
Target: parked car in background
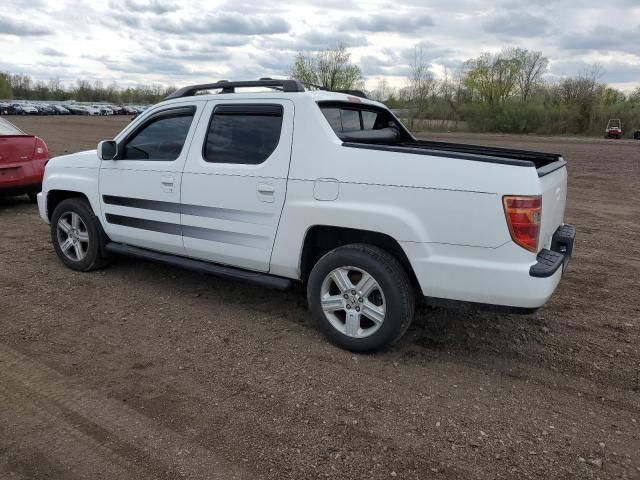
column 4, row 108
column 118, row 110
column 45, row 109
column 129, row 110
column 103, row 109
column 60, row 110
column 22, row 161
column 25, row 109
column 76, row 109
column 91, row 110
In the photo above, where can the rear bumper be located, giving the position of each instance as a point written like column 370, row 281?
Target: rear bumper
column 550, row 261
column 489, row 276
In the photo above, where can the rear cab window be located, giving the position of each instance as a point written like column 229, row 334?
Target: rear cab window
column 353, row 122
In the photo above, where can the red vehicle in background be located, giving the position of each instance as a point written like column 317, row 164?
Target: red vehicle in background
column 22, row 161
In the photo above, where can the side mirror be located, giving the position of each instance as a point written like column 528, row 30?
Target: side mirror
column 107, row 149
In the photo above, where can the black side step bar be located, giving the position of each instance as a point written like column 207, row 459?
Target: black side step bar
column 262, row 279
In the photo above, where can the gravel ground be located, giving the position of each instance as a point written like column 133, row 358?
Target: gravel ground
column 142, row 371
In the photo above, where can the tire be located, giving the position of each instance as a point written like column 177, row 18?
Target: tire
column 379, row 314
column 83, row 255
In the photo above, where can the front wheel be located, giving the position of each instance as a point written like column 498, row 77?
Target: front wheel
column 75, row 234
column 361, row 297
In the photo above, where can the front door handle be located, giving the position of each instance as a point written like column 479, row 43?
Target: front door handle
column 167, row 182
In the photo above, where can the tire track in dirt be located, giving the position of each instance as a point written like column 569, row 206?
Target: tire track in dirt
column 88, row 425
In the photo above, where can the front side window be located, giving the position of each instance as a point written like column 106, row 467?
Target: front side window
column 161, row 138
column 245, row 134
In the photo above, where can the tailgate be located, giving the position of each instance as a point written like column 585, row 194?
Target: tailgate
column 553, row 182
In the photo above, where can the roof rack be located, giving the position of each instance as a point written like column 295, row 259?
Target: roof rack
column 229, row 87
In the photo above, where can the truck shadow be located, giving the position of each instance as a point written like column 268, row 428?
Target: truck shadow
column 441, row 329
column 15, row 201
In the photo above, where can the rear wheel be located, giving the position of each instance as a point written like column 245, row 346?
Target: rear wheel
column 76, row 235
column 361, row 297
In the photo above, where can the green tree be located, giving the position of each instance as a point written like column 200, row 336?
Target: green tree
column 492, row 79
column 331, row 69
column 5, row 87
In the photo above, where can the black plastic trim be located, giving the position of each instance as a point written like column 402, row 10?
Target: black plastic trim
column 259, row 109
column 144, row 224
column 551, row 167
column 476, row 306
column 549, row 261
column 221, row 236
column 439, row 153
column 256, row 278
column 229, row 87
column 260, row 218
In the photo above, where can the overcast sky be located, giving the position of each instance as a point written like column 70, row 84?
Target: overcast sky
column 180, row 42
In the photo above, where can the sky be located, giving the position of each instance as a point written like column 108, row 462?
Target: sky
column 173, row 42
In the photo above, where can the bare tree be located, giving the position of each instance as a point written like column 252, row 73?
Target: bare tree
column 331, row 69
column 421, row 83
column 382, row 92
column 533, row 66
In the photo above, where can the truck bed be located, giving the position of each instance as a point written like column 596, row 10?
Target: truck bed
column 543, row 162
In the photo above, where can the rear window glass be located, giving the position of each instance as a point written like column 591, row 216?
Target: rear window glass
column 246, row 134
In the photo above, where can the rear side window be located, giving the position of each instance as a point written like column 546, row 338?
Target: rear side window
column 352, row 119
column 245, row 134
column 161, row 137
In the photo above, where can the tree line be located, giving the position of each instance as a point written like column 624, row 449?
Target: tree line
column 495, row 92
column 24, row 87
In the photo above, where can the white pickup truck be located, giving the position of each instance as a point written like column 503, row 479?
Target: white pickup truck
column 325, row 188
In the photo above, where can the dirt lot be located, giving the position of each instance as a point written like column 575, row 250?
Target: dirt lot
column 142, row 371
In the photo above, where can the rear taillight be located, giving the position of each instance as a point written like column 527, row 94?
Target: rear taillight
column 41, row 152
column 523, row 218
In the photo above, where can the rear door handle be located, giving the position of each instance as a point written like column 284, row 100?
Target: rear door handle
column 266, row 192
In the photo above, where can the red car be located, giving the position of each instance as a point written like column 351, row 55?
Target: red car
column 22, row 161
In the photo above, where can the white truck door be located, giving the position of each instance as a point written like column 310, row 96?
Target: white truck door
column 140, row 189
column 234, row 181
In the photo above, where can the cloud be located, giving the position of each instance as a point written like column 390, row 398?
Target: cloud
column 602, row 38
column 154, row 6
column 517, row 25
column 10, row 26
column 51, row 52
column 231, row 23
column 405, row 23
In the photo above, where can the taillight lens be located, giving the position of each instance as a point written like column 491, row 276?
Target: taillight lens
column 41, row 152
column 523, row 218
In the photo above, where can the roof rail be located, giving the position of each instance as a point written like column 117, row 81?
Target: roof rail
column 355, row 93
column 229, row 87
